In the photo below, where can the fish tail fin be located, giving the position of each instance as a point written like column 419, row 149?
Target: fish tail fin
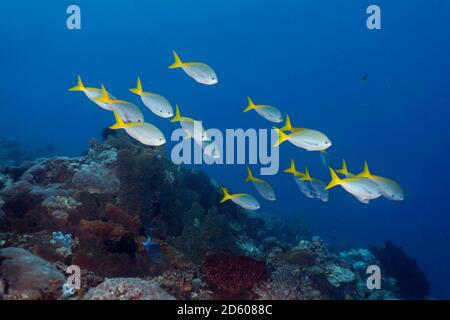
column 282, row 137
column 335, row 180
column 292, row 168
column 104, row 97
column 226, row 195
column 250, row 106
column 177, row 116
column 288, row 124
column 138, row 90
column 250, row 176
column 119, row 122
column 80, row 86
column 177, row 63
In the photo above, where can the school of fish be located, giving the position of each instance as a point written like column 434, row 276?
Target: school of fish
column 364, row 186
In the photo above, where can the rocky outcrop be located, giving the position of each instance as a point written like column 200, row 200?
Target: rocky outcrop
column 26, row 276
column 127, row 289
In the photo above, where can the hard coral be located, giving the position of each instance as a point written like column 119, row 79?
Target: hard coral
column 116, row 214
column 232, row 276
column 26, row 276
column 141, row 179
column 128, row 289
column 205, row 233
column 276, row 291
column 101, row 229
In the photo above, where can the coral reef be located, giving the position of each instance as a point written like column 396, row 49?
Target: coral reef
column 127, row 289
column 112, row 198
column 26, row 276
column 232, row 276
column 411, row 280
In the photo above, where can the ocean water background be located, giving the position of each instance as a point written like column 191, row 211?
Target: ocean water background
column 305, row 57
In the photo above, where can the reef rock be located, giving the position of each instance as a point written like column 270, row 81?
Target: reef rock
column 96, row 177
column 232, row 276
column 338, row 275
column 26, row 276
column 128, row 289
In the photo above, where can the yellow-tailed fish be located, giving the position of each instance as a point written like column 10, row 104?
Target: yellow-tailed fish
column 317, row 185
column 156, row 103
column 193, row 128
column 389, row 188
column 144, row 132
column 304, row 186
column 263, row 187
column 92, row 94
column 200, row 72
column 269, row 113
column 211, row 149
column 243, row 200
column 129, row 113
column 308, row 139
column 344, row 171
column 361, row 188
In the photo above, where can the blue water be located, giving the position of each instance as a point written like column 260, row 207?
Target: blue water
column 306, row 57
